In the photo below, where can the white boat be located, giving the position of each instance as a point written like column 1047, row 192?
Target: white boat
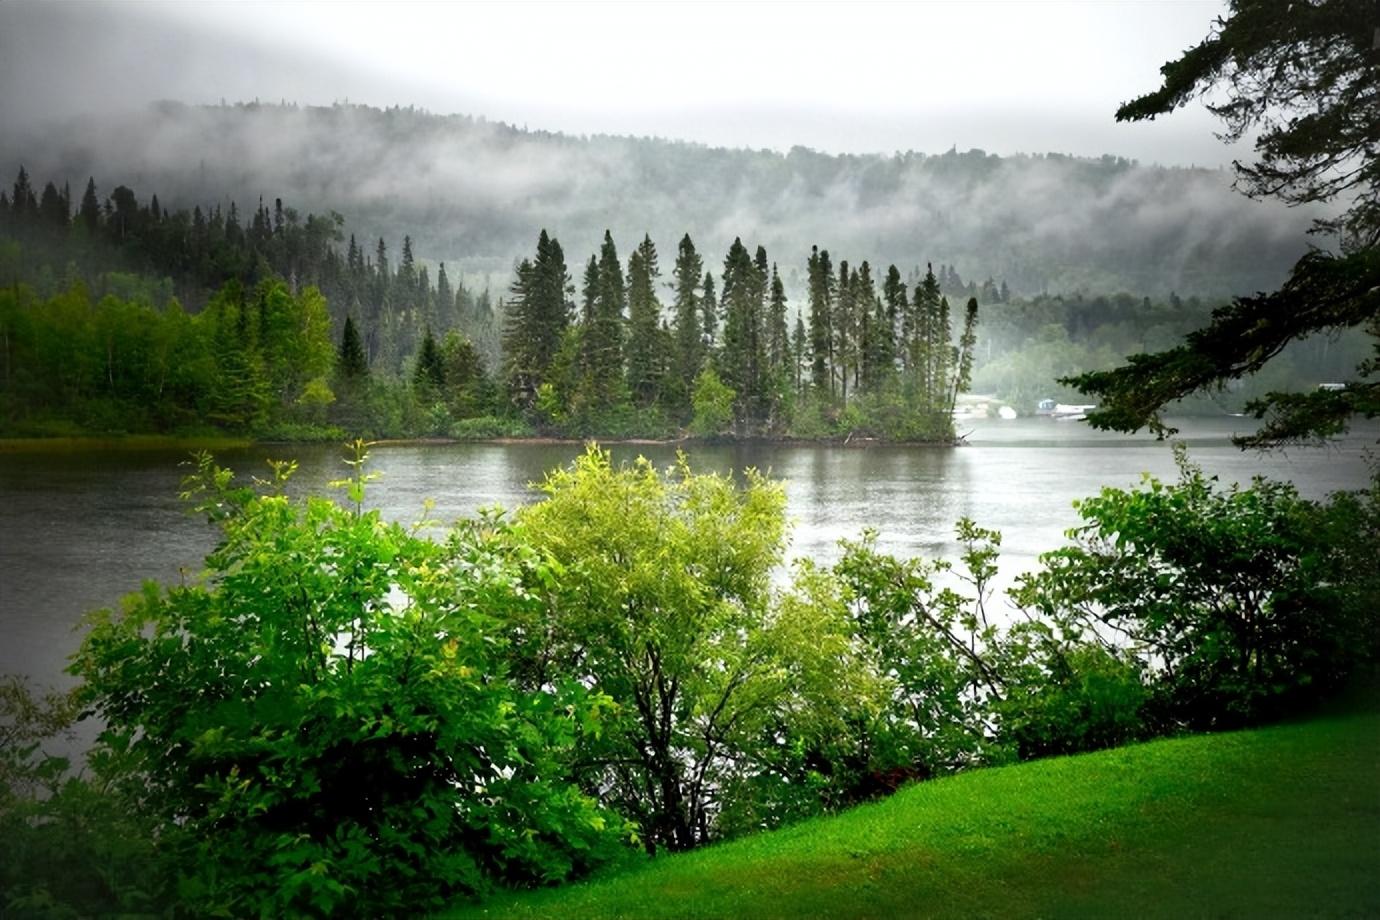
column 1069, row 413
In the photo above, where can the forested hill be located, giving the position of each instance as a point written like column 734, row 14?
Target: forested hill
column 474, row 192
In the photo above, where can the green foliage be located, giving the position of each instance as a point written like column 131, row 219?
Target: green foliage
column 351, row 363
column 250, row 360
column 537, row 315
column 1063, row 697
column 665, row 605
column 713, row 405
column 1265, row 823
column 1243, row 603
column 1297, row 78
column 75, row 845
column 323, row 724
column 485, row 427
column 939, row 653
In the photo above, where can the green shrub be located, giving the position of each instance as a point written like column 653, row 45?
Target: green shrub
column 305, row 432
column 74, row 846
column 1063, row 698
column 1241, row 603
column 713, row 404
column 486, row 427
column 325, row 726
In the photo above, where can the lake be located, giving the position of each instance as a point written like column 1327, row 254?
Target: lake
column 79, row 530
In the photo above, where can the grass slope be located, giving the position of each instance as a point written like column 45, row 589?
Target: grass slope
column 1278, row 822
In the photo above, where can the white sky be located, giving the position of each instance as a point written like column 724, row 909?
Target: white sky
column 841, row 77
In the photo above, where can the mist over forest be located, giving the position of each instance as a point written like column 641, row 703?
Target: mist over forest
column 474, row 193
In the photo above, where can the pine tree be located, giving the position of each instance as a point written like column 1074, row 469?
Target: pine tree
column 709, row 313
column 740, row 361
column 445, row 301
column 778, row 338
column 821, row 275
column 602, row 342
column 799, row 346
column 519, row 319
column 22, row 201
column 52, row 207
column 842, row 325
column 90, row 213
column 963, row 369
column 897, row 316
column 351, row 363
column 689, row 345
column 644, row 315
column 429, row 376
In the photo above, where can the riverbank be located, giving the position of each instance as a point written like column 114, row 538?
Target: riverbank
column 89, row 443
column 216, row 443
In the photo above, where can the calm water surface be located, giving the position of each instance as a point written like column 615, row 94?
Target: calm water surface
column 77, row 531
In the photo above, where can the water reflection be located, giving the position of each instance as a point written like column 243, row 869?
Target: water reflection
column 79, row 530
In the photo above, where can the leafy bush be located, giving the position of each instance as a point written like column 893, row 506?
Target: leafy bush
column 713, row 404
column 325, row 725
column 1241, row 603
column 300, row 432
column 1063, row 697
column 489, row 426
column 74, row 845
column 666, row 605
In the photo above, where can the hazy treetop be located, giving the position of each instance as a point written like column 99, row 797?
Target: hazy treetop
column 854, row 77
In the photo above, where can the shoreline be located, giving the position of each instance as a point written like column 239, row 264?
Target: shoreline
column 86, row 443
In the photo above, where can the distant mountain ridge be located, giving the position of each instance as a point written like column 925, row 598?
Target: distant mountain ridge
column 475, row 193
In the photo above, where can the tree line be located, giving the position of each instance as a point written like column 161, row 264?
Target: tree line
column 730, row 354
column 393, row 298
column 718, row 356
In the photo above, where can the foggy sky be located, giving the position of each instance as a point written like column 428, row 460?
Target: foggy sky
column 856, row 77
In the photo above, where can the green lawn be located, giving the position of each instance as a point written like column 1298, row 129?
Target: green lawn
column 1279, row 822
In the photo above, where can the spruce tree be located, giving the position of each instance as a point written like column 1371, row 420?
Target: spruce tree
column 22, row 201
column 551, row 313
column 429, row 376
column 924, row 345
column 842, row 325
column 90, row 213
column 897, row 316
column 866, row 305
column 709, row 313
column 821, row 326
column 519, row 318
column 351, row 363
column 689, row 345
column 52, row 207
column 445, row 301
column 601, row 358
column 963, row 361
column 778, row 338
column 644, row 315
column 739, row 360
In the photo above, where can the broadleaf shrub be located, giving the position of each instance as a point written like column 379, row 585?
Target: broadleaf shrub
column 324, row 724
